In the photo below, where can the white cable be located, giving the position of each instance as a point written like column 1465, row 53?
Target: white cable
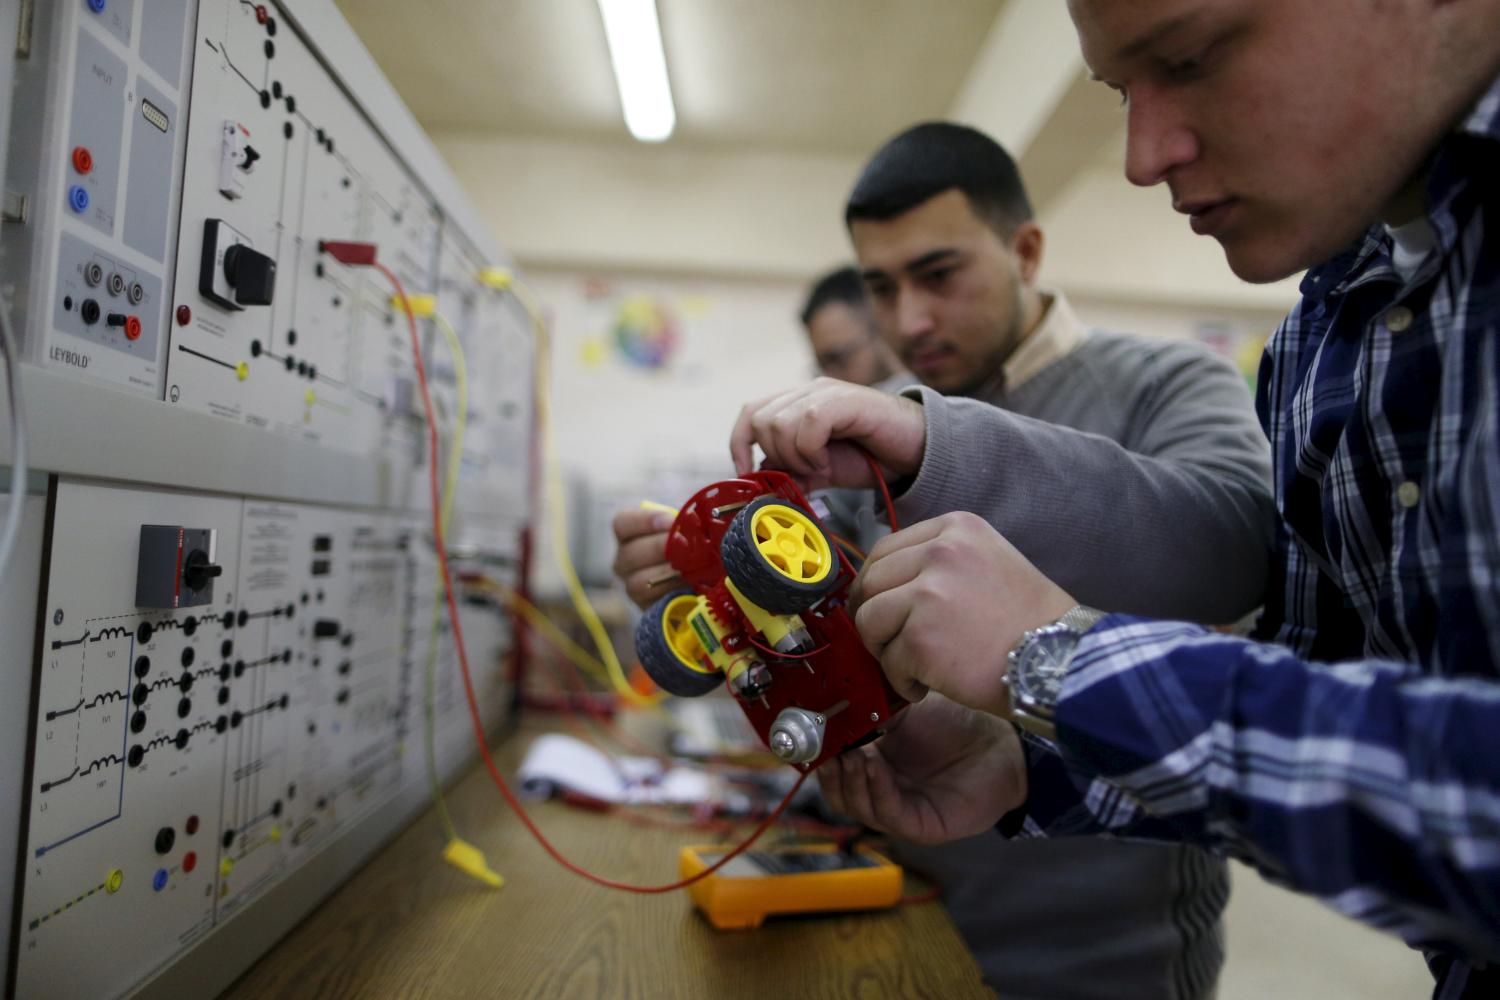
column 18, row 442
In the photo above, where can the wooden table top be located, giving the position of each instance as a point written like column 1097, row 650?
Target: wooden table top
column 408, row 925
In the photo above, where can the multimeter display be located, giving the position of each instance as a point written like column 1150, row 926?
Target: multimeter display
column 753, row 863
column 758, row 884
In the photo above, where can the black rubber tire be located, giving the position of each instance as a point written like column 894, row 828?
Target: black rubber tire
column 660, row 663
column 762, row 582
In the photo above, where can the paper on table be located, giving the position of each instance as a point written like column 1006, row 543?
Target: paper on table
column 556, row 761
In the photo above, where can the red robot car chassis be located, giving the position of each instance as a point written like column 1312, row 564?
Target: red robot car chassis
column 765, row 613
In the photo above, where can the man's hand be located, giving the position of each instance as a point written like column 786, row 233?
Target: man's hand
column 641, row 553
column 815, row 433
column 941, row 772
column 941, row 603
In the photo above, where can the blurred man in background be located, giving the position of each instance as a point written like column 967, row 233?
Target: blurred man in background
column 846, row 343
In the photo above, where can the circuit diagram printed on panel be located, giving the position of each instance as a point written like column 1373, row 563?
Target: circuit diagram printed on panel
column 287, row 338
column 318, row 700
column 130, row 737
column 190, row 748
column 228, row 669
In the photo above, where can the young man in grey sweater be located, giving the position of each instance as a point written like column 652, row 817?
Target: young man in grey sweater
column 1015, row 390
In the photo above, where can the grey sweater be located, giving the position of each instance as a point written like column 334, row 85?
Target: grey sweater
column 1133, row 473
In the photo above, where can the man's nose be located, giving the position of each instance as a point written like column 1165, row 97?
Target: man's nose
column 1158, row 138
column 913, row 314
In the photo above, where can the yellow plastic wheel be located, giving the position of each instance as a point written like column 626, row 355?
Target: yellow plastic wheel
column 790, row 541
column 670, row 650
column 679, row 635
column 779, row 557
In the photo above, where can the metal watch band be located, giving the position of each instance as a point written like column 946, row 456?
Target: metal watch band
column 1080, row 618
column 1034, row 696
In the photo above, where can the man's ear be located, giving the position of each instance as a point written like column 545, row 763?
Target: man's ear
column 1028, row 244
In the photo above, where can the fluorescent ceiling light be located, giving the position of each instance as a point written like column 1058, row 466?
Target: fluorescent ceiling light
column 634, row 36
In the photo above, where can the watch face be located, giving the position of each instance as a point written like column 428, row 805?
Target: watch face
column 1039, row 673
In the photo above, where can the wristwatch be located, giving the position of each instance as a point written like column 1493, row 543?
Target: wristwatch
column 1036, row 667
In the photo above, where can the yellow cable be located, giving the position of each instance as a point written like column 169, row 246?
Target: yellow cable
column 457, row 852
column 534, row 616
column 576, row 654
column 445, row 513
column 460, row 418
column 502, row 279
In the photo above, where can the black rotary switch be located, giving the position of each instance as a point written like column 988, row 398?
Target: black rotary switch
column 251, row 273
column 197, row 571
column 175, row 569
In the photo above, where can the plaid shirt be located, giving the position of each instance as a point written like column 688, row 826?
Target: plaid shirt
column 1355, row 755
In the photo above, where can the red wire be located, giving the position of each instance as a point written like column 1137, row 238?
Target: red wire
column 852, row 549
column 463, row 659
column 885, row 491
column 574, row 680
column 784, row 656
column 567, row 669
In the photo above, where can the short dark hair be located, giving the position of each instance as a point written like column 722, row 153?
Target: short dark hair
column 844, row 285
column 933, row 157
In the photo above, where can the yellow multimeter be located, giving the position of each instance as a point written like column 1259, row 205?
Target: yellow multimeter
column 803, row 879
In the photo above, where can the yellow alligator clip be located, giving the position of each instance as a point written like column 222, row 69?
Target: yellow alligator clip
column 470, row 860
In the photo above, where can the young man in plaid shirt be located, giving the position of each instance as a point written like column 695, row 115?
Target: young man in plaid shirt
column 1352, row 750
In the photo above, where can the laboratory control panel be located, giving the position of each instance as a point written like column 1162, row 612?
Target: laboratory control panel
column 222, row 700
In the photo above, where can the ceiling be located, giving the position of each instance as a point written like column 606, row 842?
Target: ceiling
column 809, row 75
column 779, row 103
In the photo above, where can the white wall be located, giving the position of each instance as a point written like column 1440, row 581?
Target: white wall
column 736, row 340
column 1112, row 240
column 625, row 433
